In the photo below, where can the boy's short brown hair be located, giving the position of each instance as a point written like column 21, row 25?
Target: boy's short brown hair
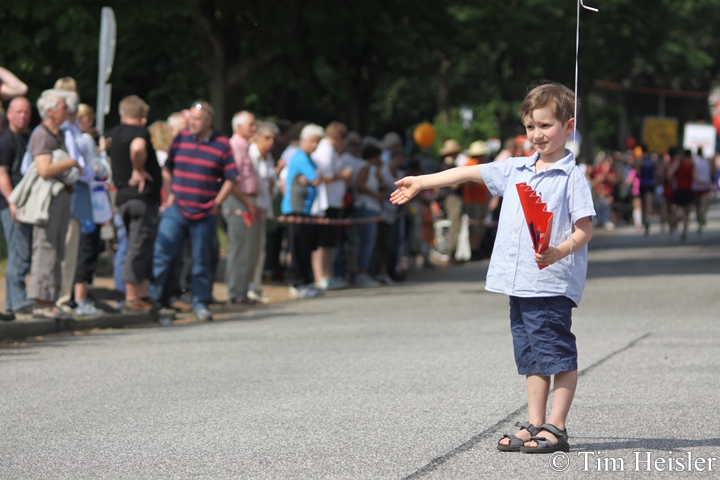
column 134, row 107
column 554, row 95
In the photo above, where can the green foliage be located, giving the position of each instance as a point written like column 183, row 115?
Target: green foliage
column 376, row 65
column 484, row 124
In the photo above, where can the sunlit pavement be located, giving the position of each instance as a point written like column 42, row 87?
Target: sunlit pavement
column 415, row 381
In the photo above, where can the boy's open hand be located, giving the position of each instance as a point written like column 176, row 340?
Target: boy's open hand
column 408, row 188
column 548, row 256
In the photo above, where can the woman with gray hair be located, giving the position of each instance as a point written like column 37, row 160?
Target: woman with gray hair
column 43, row 200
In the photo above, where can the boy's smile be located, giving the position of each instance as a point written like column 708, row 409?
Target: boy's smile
column 547, row 134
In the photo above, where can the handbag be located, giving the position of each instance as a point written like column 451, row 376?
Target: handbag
column 102, row 211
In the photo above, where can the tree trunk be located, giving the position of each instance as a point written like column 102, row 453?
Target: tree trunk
column 217, row 93
column 215, row 58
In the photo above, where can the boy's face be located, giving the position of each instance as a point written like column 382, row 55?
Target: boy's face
column 547, row 134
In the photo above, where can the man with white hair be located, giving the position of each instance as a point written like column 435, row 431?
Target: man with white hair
column 13, row 145
column 240, row 213
column 264, row 164
column 300, row 191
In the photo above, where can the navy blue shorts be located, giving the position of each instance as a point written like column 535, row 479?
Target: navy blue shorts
column 541, row 335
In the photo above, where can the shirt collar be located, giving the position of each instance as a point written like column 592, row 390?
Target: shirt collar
column 565, row 164
column 209, row 139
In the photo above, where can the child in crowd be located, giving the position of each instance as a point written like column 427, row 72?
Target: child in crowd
column 541, row 300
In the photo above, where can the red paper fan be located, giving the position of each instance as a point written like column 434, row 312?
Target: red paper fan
column 538, row 219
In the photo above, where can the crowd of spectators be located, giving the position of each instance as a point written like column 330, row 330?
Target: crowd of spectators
column 296, row 203
column 293, row 202
column 641, row 188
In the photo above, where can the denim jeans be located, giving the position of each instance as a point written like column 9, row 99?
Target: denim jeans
column 173, row 230
column 19, row 241
column 366, row 233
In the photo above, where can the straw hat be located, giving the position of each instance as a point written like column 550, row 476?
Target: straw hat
column 450, row 147
column 478, row 149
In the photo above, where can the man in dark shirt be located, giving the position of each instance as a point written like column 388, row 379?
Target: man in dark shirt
column 13, row 144
column 138, row 179
column 199, row 174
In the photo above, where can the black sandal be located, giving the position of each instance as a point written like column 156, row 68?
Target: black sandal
column 515, row 442
column 545, row 445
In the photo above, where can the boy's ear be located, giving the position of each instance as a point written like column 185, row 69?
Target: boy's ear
column 570, row 126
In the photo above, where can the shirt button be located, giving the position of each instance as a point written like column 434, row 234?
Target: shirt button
column 515, row 237
column 512, row 265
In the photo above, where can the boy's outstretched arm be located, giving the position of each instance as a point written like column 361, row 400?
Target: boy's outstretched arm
column 408, row 187
column 581, row 236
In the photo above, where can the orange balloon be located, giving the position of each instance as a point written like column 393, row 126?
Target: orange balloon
column 424, row 135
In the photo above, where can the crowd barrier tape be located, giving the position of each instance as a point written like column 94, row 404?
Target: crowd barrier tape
column 300, row 219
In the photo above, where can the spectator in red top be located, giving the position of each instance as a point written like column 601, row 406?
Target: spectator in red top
column 199, row 173
column 683, row 173
column 603, row 183
column 476, row 196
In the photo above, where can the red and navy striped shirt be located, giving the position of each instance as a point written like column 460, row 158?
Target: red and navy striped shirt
column 198, row 171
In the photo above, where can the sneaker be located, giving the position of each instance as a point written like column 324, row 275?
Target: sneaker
column 7, row 317
column 305, row 291
column 25, row 309
column 86, row 308
column 386, row 280
column 137, row 306
column 180, row 305
column 203, row 315
column 323, row 284
column 364, row 281
column 337, row 283
column 316, row 292
column 258, row 297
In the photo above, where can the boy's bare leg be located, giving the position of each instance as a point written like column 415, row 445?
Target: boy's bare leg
column 563, row 394
column 538, row 388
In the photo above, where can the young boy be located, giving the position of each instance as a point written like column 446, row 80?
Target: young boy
column 541, row 301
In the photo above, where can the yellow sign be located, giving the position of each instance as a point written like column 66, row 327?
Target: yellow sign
column 660, row 133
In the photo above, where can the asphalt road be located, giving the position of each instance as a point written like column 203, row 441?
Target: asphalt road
column 412, row 381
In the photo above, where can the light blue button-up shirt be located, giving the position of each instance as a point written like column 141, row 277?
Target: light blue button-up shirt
column 566, row 191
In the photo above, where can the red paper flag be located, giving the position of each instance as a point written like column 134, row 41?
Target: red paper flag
column 538, row 219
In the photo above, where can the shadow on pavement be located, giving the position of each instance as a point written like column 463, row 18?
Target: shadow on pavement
column 653, row 267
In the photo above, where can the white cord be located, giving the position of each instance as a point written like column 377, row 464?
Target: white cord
column 577, row 55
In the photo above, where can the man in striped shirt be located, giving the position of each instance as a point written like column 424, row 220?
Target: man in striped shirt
column 199, row 175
